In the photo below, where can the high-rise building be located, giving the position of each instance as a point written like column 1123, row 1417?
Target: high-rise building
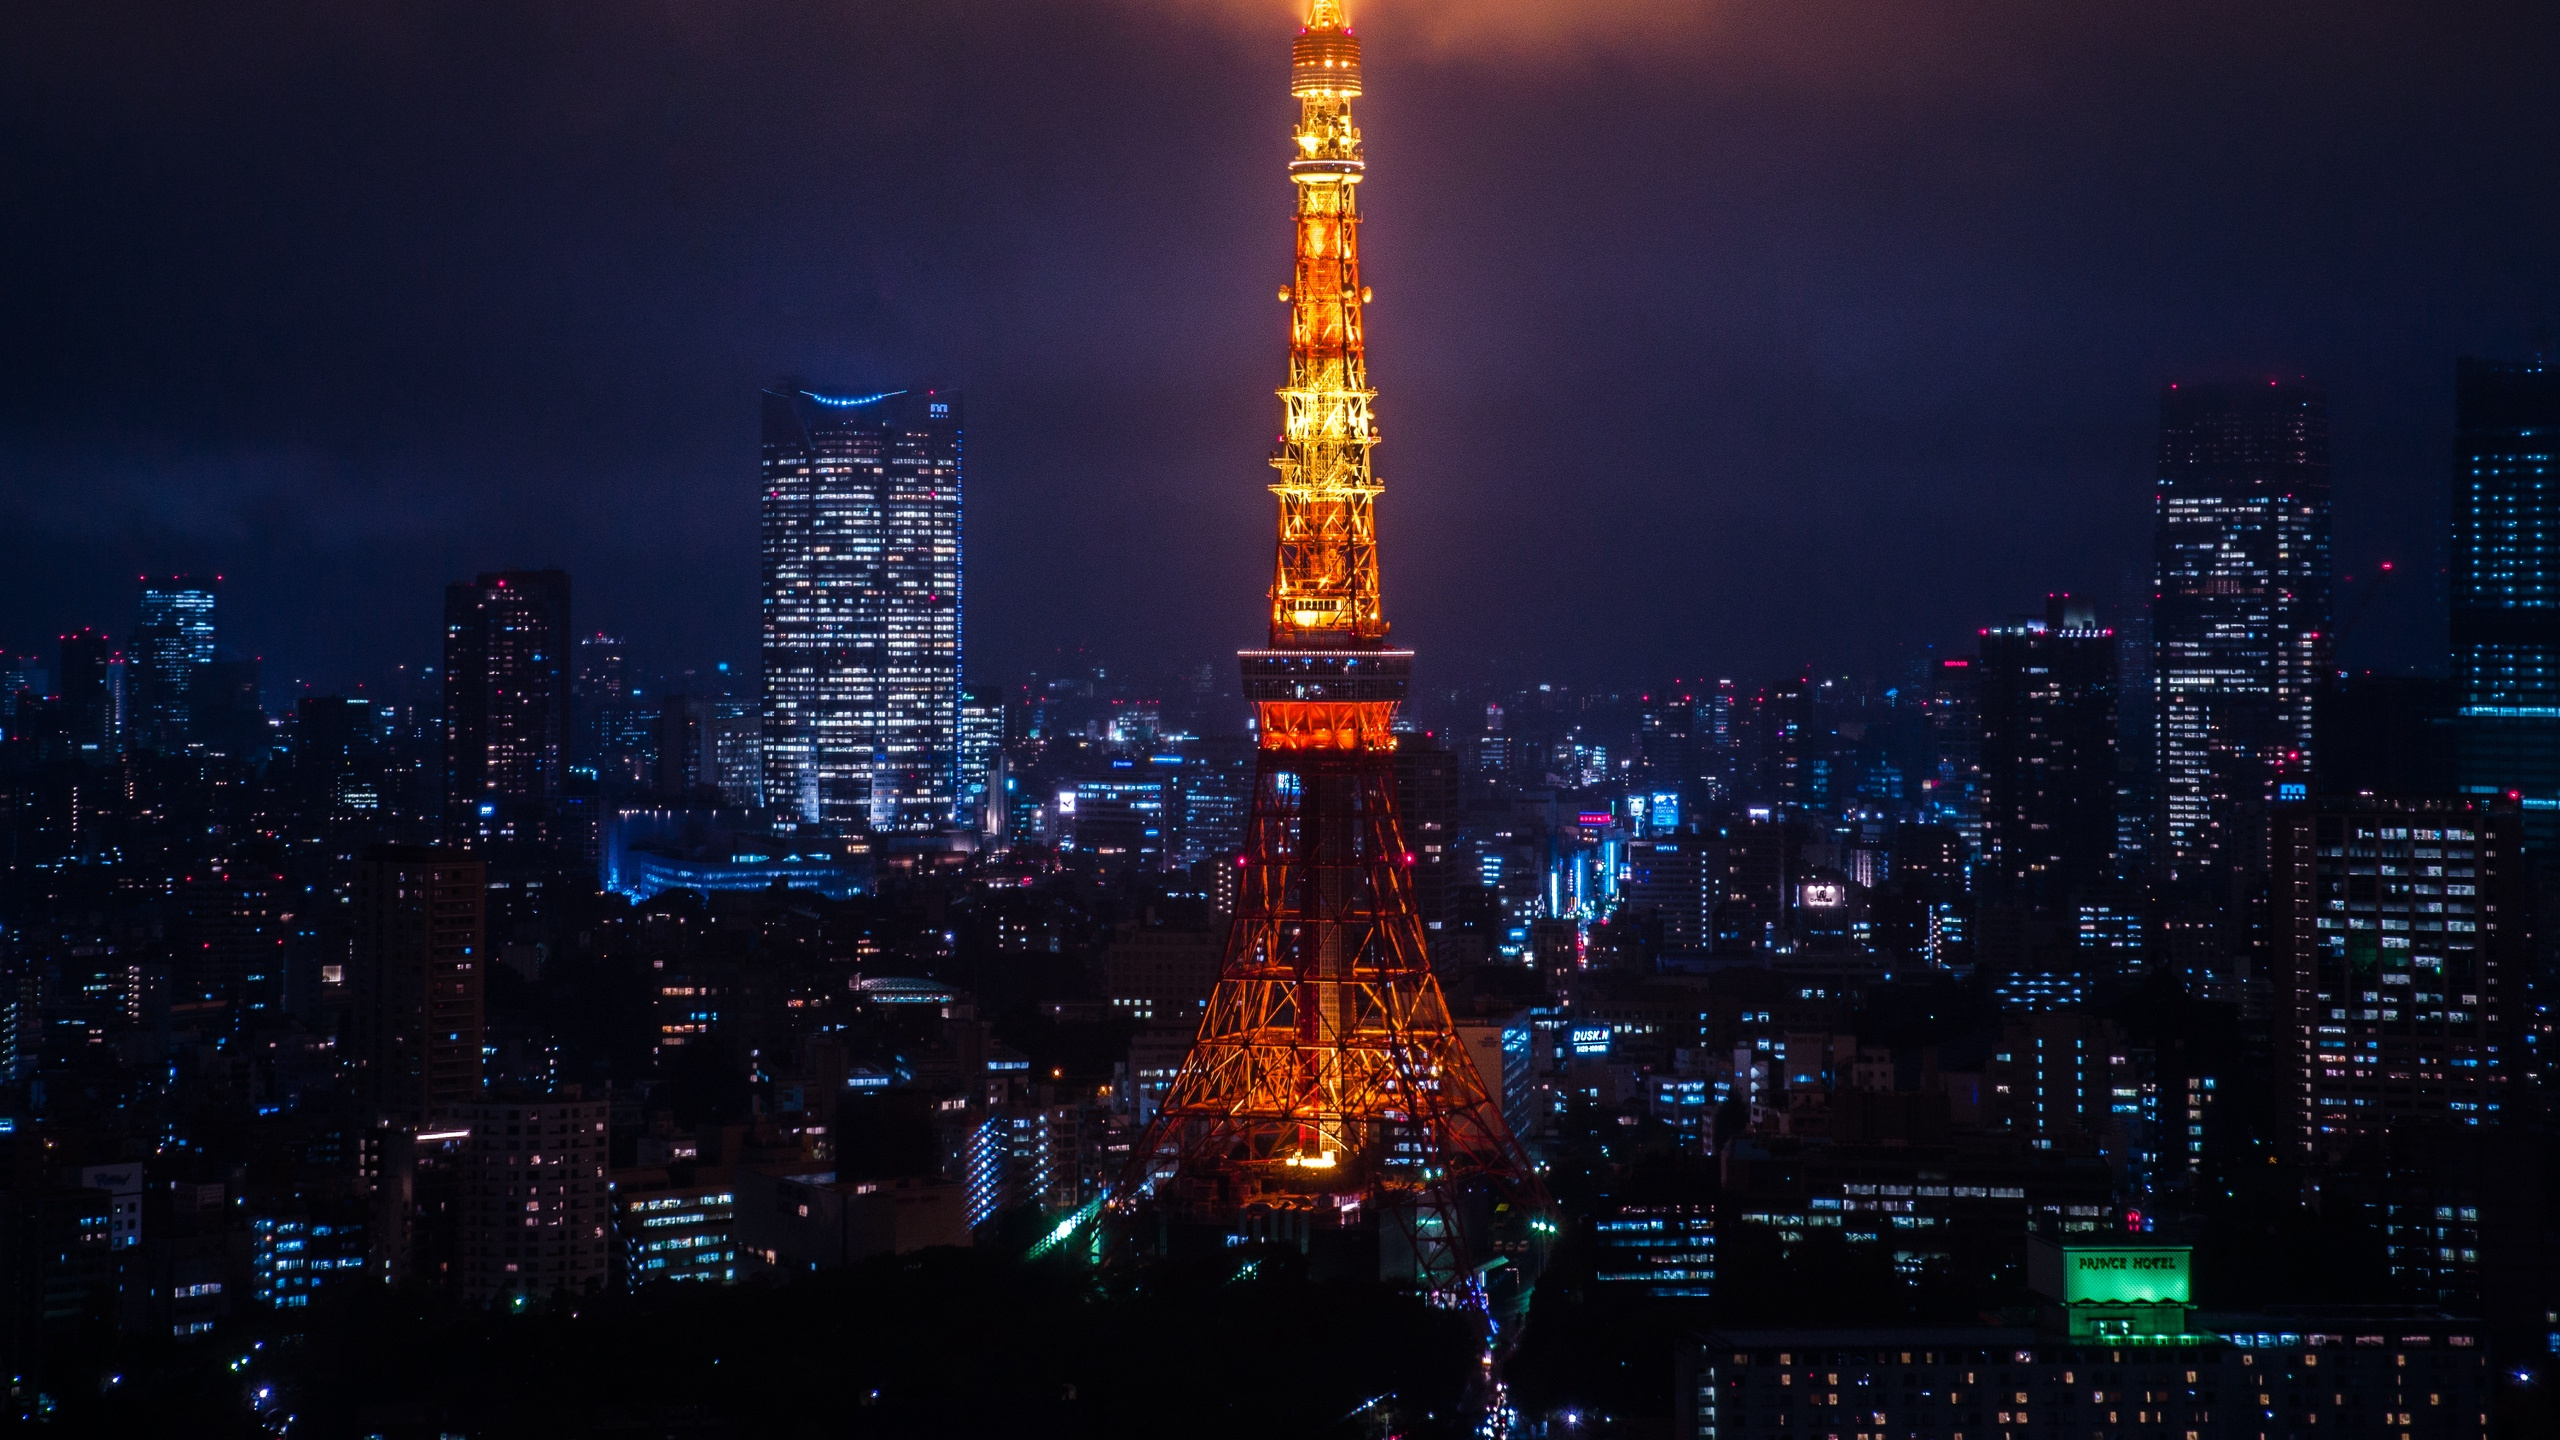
column 418, row 973
column 1782, row 723
column 602, row 672
column 861, row 606
column 22, row 675
column 506, row 703
column 1667, row 743
column 982, row 738
column 1955, row 745
column 2506, row 585
column 2137, row 783
column 733, row 750
column 536, row 1212
column 611, row 725
column 2048, row 708
column 2402, row 955
column 336, row 764
column 171, row 645
column 1427, row 799
column 232, row 930
column 226, row 711
column 1668, row 880
column 87, row 679
column 2240, row 609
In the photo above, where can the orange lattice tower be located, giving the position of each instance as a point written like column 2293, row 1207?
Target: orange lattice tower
column 1327, row 1086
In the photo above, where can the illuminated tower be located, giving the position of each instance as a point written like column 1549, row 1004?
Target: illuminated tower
column 1327, row 1082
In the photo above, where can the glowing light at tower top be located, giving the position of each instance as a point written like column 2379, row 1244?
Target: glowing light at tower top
column 1324, row 588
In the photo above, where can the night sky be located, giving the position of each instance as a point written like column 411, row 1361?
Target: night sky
column 1712, row 338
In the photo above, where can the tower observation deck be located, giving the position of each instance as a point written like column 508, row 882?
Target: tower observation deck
column 1328, row 1088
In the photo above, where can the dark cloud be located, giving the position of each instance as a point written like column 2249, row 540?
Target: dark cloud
column 1784, row 333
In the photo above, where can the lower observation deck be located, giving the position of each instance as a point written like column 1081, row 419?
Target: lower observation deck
column 1368, row 676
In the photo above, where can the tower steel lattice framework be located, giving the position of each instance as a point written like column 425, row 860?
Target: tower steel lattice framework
column 1327, row 1078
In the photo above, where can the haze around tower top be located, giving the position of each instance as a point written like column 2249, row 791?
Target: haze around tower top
column 1752, row 45
column 1493, row 27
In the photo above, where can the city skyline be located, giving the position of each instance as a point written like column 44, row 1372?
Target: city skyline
column 1735, row 889
column 1783, row 383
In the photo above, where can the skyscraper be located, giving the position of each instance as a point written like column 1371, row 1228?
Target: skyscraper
column 2403, row 952
column 335, row 766
column 506, row 703
column 1955, row 746
column 861, row 605
column 419, row 967
column 86, row 681
column 2506, row 585
column 171, row 645
column 2240, row 608
column 2048, row 707
column 982, row 737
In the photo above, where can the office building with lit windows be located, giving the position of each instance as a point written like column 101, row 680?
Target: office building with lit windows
column 861, row 608
column 2402, row 957
column 417, row 974
column 536, row 1209
column 2240, row 609
column 1665, row 1251
column 981, row 785
column 2506, row 586
column 293, row 1258
column 89, row 679
column 172, row 644
column 2047, row 692
column 676, row 1229
column 2117, row 1351
column 507, row 681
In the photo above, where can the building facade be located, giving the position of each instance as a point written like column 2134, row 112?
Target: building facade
column 2506, row 586
column 1665, row 1251
column 2379, row 1376
column 2048, row 715
column 677, row 1229
column 507, row 676
column 2403, row 952
column 418, row 964
column 2240, row 609
column 88, row 679
column 861, row 608
column 294, row 1258
column 172, row 644
column 536, row 1211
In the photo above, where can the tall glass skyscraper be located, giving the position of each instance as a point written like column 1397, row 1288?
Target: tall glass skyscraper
column 171, row 646
column 862, row 608
column 2506, row 585
column 2240, row 609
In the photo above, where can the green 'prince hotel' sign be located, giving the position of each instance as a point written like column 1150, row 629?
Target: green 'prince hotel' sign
column 2130, row 1276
